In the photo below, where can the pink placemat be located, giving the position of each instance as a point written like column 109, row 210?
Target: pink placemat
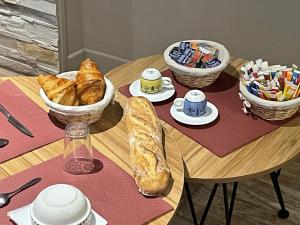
column 112, row 192
column 31, row 116
column 231, row 130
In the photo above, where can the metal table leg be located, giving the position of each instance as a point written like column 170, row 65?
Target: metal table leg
column 282, row 213
column 190, row 200
column 207, row 207
column 229, row 211
column 211, row 198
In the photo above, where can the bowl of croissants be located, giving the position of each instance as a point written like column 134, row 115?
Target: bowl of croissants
column 77, row 96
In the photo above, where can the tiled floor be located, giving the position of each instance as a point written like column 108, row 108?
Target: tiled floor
column 256, row 202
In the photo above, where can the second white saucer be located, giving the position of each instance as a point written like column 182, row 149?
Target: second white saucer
column 210, row 115
column 165, row 94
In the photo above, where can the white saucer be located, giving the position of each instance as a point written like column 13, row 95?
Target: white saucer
column 166, row 93
column 210, row 115
column 21, row 216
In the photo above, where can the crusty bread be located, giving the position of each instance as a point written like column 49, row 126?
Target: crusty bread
column 149, row 166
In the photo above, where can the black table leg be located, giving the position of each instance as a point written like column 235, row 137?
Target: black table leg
column 228, row 211
column 282, row 213
column 190, row 200
column 189, row 197
column 226, row 204
column 211, row 198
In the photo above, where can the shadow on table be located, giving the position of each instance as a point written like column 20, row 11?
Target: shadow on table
column 111, row 116
column 55, row 121
column 224, row 82
column 163, row 141
column 98, row 166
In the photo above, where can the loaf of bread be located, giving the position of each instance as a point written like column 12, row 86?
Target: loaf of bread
column 148, row 162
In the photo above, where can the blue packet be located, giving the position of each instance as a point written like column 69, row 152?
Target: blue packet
column 213, row 63
column 295, row 77
column 183, row 46
column 182, row 59
column 175, row 55
column 273, row 75
column 249, row 88
column 254, row 91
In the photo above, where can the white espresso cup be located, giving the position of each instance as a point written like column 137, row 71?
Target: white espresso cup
column 193, row 104
column 152, row 82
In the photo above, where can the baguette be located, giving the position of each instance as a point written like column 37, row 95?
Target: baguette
column 148, row 162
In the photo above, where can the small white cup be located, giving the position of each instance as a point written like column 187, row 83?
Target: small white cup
column 193, row 104
column 152, row 82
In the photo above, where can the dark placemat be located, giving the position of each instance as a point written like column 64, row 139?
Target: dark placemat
column 231, row 130
column 31, row 116
column 112, row 192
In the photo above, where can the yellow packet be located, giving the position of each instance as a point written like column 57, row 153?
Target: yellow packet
column 267, row 95
column 289, row 95
column 280, row 97
column 297, row 92
column 287, row 87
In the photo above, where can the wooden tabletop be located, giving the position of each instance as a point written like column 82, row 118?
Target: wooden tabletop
column 109, row 136
column 261, row 156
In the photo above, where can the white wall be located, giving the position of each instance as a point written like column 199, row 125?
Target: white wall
column 115, row 31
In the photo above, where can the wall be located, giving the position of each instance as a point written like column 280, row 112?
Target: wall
column 29, row 36
column 117, row 31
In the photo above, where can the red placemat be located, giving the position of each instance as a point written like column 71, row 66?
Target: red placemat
column 31, row 116
column 112, row 192
column 231, row 130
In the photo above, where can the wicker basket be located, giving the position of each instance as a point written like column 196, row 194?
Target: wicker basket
column 197, row 77
column 270, row 110
column 87, row 114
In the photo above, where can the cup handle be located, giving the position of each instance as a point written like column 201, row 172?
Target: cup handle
column 178, row 103
column 166, row 82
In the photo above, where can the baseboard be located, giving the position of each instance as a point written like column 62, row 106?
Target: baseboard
column 106, row 62
column 73, row 60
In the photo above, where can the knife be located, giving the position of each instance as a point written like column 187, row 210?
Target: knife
column 15, row 122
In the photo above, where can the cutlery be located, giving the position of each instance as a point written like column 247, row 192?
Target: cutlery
column 5, row 197
column 3, row 142
column 15, row 122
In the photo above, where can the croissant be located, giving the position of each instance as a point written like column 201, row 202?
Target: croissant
column 90, row 83
column 59, row 90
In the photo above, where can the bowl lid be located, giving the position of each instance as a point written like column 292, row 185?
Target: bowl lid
column 60, row 204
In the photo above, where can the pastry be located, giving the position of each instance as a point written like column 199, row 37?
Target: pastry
column 59, row 90
column 148, row 162
column 90, row 86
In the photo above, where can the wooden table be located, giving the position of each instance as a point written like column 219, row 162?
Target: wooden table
column 265, row 155
column 109, row 135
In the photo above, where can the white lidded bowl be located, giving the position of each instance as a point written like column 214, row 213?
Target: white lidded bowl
column 60, row 204
column 85, row 113
column 197, row 77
